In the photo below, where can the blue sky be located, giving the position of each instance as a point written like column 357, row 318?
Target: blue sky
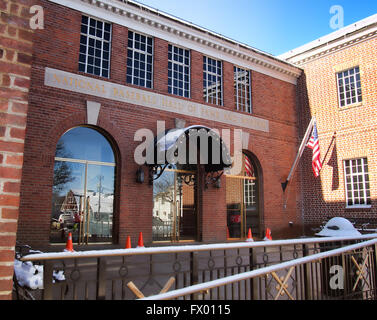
column 273, row 26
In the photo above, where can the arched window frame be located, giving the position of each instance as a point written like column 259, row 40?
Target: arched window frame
column 83, row 239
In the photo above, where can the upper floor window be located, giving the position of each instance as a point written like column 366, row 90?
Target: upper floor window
column 242, row 89
column 179, row 71
column 139, row 59
column 212, row 81
column 357, row 182
column 349, row 86
column 95, row 43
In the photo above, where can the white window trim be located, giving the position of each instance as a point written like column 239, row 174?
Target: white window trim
column 221, row 102
column 355, row 206
column 102, row 41
column 142, row 52
column 344, row 86
column 183, row 65
column 247, row 92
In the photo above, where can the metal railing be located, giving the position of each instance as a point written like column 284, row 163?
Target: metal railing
column 302, row 269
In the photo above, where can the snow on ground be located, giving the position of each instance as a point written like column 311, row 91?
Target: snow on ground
column 31, row 275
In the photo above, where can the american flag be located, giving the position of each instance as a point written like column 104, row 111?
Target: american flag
column 314, row 145
column 248, row 167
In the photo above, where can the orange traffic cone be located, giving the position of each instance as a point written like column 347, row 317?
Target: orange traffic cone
column 268, row 234
column 227, row 233
column 249, row 236
column 128, row 242
column 140, row 243
column 69, row 245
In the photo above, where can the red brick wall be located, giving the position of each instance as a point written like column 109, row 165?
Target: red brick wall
column 15, row 62
column 53, row 111
column 355, row 128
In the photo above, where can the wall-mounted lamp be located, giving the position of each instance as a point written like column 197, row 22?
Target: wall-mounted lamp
column 218, row 183
column 140, row 175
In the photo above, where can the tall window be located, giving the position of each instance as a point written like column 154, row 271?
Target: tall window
column 139, row 59
column 349, row 87
column 250, row 192
column 212, row 81
column 174, row 207
column 95, row 44
column 242, row 201
column 242, row 89
column 357, row 182
column 179, row 71
column 83, row 187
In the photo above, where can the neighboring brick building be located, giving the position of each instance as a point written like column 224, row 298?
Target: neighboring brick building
column 338, row 87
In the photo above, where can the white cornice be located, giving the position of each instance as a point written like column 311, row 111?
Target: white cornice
column 150, row 21
column 350, row 35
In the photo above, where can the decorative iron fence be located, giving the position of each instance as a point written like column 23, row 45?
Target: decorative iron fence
column 302, row 269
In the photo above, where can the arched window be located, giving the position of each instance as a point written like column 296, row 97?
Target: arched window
column 83, row 187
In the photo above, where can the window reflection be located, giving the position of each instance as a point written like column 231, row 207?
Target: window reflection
column 174, row 213
column 242, row 202
column 85, row 144
column 83, row 189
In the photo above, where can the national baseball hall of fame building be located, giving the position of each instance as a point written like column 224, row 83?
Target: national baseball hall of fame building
column 123, row 119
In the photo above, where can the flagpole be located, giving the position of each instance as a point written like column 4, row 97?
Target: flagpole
column 299, row 153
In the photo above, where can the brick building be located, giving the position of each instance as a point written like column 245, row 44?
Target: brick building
column 338, row 87
column 101, row 72
column 80, row 98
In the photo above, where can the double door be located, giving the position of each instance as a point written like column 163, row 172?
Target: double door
column 242, row 198
column 174, row 206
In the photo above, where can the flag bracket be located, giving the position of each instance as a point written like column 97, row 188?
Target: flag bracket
column 299, row 153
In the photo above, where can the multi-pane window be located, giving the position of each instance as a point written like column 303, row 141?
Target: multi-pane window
column 249, row 192
column 139, row 59
column 179, row 71
column 349, row 86
column 242, row 89
column 212, row 81
column 95, row 46
column 357, row 182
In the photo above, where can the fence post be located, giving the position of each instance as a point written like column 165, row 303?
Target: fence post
column 307, row 287
column 47, row 279
column 374, row 271
column 101, row 278
column 194, row 272
column 253, row 281
column 346, row 274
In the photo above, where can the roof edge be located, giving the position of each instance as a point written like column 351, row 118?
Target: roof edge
column 323, row 44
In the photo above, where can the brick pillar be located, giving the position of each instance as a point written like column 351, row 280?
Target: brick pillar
column 15, row 66
column 160, row 65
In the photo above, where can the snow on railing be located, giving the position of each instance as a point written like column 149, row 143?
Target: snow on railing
column 253, row 268
column 187, row 248
column 259, row 272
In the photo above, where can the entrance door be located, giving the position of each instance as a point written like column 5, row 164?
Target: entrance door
column 174, row 207
column 242, row 198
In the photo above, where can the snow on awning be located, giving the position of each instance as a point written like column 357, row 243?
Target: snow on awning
column 180, row 146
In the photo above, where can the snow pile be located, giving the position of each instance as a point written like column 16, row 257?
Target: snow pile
column 338, row 227
column 31, row 276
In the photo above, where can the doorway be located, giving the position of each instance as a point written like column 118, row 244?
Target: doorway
column 174, row 206
column 243, row 200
